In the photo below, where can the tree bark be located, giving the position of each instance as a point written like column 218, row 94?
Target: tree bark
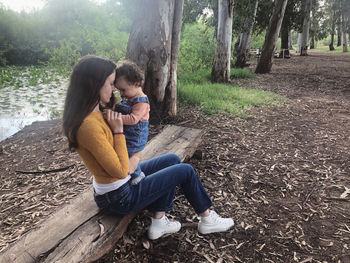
column 344, row 28
column 312, row 42
column 290, row 40
column 154, row 45
column 331, row 45
column 222, row 59
column 299, row 43
column 284, row 53
column 339, row 33
column 243, row 48
column 306, row 27
column 170, row 108
column 265, row 61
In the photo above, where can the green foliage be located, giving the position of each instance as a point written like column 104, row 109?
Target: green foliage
column 243, row 15
column 265, row 8
column 64, row 56
column 198, row 77
column 63, row 31
column 194, row 89
column 258, row 41
column 19, row 76
column 197, row 48
column 241, row 73
column 193, row 9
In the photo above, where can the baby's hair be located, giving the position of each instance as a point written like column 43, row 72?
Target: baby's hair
column 131, row 72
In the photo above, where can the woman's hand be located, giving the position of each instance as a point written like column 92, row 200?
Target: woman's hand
column 114, row 120
column 133, row 163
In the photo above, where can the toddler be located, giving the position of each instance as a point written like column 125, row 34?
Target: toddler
column 135, row 111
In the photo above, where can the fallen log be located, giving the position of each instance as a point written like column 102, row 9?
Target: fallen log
column 78, row 232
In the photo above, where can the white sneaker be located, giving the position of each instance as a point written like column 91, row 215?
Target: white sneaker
column 214, row 223
column 162, row 226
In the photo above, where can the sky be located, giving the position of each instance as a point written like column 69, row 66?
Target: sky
column 28, row 5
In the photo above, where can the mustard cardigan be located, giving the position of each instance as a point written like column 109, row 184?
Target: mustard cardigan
column 104, row 154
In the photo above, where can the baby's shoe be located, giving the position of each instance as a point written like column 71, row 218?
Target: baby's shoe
column 214, row 223
column 135, row 179
column 162, row 226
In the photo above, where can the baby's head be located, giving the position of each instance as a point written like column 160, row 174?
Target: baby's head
column 129, row 79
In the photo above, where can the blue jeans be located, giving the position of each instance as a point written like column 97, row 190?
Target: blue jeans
column 157, row 190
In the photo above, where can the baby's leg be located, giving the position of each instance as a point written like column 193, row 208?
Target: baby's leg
column 138, row 175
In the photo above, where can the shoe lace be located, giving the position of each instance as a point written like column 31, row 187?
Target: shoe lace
column 167, row 221
column 216, row 218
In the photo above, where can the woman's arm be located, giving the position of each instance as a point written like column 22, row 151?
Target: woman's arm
column 133, row 162
column 113, row 159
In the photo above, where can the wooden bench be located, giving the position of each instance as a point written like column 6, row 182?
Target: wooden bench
column 254, row 52
column 78, row 232
column 282, row 53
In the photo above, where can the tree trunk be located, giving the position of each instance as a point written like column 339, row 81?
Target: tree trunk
column 222, row 59
column 306, row 27
column 339, row 32
column 284, row 53
column 299, row 43
column 170, row 108
column 331, row 45
column 154, row 44
column 241, row 51
column 243, row 48
column 345, row 40
column 312, row 42
column 265, row 61
column 290, row 40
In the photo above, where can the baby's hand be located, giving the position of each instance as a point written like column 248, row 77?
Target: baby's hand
column 114, row 120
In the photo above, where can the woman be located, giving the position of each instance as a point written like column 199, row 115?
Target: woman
column 99, row 140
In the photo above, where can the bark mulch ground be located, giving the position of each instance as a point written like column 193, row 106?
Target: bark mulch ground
column 282, row 173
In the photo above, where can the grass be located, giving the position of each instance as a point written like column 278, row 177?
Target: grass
column 325, row 48
column 214, row 98
column 336, row 50
column 241, row 73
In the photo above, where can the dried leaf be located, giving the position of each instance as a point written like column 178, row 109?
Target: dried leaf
column 146, row 244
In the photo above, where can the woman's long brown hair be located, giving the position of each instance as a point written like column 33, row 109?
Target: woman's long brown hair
column 86, row 80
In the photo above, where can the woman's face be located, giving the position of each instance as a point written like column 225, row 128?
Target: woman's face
column 107, row 89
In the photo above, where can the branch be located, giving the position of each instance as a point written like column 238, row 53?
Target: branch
column 46, row 171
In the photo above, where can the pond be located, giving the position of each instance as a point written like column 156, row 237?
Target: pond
column 29, row 94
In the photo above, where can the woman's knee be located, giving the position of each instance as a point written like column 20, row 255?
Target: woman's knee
column 172, row 158
column 186, row 169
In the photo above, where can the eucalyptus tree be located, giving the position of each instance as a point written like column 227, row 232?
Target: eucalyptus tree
column 242, row 46
column 291, row 21
column 222, row 58
column 331, row 9
column 345, row 19
column 154, row 45
column 319, row 26
column 265, row 61
column 339, row 30
column 306, row 26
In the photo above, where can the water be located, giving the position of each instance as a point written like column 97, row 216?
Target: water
column 28, row 97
